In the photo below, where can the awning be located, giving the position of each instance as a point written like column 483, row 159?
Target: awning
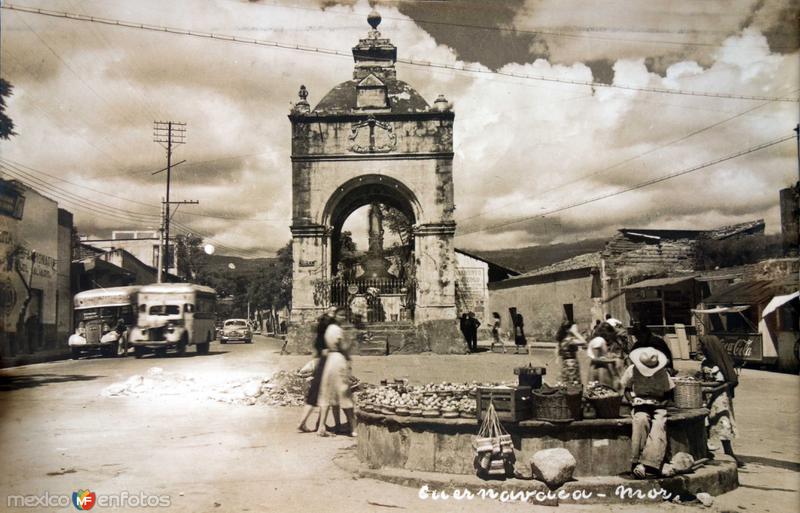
column 777, row 302
column 720, row 309
column 658, row 282
column 749, row 292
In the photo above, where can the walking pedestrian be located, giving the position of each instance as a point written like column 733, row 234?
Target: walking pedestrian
column 718, row 367
column 569, row 340
column 320, row 354
column 496, row 332
column 519, row 334
column 335, row 391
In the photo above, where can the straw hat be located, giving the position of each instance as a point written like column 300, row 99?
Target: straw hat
column 648, row 360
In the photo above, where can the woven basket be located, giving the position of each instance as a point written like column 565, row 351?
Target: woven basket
column 688, row 394
column 557, row 404
column 607, row 407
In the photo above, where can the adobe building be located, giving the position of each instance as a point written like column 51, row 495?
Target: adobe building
column 372, row 140
column 35, row 296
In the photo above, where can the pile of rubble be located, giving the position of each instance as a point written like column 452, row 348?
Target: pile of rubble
column 284, row 388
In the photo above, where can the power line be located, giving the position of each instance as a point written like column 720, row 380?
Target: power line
column 70, row 68
column 70, row 195
column 625, row 161
column 79, row 204
column 633, row 187
column 410, row 62
column 580, row 33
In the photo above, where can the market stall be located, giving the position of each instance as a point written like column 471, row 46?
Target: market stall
column 442, row 427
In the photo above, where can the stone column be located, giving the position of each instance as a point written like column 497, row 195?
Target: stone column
column 310, row 283
column 435, row 312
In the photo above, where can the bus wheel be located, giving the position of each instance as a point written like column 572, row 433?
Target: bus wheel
column 138, row 351
column 180, row 349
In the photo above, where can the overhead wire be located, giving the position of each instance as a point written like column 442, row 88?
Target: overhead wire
column 581, row 33
column 411, row 62
column 624, row 161
column 634, row 187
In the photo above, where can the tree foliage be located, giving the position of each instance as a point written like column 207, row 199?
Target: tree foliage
column 711, row 254
column 6, row 123
column 272, row 283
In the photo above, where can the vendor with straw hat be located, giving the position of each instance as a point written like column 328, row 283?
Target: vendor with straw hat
column 647, row 384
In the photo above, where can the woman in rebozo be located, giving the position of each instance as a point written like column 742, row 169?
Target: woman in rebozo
column 519, row 334
column 334, row 391
column 569, row 340
column 718, row 367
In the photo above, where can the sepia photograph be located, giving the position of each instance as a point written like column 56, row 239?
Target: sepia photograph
column 400, row 255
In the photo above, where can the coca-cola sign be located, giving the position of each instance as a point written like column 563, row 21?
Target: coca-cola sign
column 743, row 346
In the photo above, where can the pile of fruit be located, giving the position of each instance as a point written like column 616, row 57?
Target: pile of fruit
column 448, row 400
column 595, row 390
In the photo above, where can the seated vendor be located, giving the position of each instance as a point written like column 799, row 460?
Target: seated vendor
column 647, row 384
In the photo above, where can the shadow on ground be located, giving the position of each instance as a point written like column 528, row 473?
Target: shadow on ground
column 11, row 383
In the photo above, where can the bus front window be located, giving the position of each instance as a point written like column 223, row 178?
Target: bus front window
column 165, row 310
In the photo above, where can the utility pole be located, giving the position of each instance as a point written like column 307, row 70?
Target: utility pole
column 797, row 138
column 168, row 134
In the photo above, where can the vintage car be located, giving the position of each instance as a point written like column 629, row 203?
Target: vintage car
column 236, row 329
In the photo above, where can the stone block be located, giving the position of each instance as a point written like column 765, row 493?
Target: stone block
column 421, row 451
column 553, row 466
column 454, row 453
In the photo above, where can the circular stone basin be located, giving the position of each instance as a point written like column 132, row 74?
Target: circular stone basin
column 601, row 447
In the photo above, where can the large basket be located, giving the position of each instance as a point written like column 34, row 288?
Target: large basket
column 607, row 407
column 557, row 404
column 688, row 394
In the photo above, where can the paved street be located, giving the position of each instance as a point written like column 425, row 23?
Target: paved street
column 59, row 434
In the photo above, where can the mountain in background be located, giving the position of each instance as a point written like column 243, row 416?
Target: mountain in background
column 532, row 257
column 244, row 266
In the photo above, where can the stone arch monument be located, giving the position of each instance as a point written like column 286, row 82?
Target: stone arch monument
column 374, row 139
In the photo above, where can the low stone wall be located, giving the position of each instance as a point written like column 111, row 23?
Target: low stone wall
column 602, row 447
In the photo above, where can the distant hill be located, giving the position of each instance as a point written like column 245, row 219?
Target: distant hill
column 533, row 257
column 243, row 265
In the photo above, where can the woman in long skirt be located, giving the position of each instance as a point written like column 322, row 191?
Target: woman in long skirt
column 569, row 340
column 320, row 354
column 334, row 390
column 519, row 334
column 718, row 367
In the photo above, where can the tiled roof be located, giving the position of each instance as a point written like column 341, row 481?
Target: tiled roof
column 342, row 99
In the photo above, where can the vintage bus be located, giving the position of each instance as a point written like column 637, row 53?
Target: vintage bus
column 174, row 315
column 103, row 319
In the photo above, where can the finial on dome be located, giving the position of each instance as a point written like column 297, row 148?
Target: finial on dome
column 374, row 19
column 303, row 93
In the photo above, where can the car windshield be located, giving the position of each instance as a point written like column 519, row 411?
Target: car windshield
column 165, row 310
column 235, row 322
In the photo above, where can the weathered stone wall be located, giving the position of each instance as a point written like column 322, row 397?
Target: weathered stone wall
column 541, row 303
column 601, row 447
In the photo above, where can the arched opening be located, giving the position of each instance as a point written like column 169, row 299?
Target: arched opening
column 372, row 249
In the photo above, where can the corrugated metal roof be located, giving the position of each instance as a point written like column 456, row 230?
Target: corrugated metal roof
column 658, row 282
column 751, row 292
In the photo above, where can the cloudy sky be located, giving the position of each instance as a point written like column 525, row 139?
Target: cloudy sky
column 86, row 94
